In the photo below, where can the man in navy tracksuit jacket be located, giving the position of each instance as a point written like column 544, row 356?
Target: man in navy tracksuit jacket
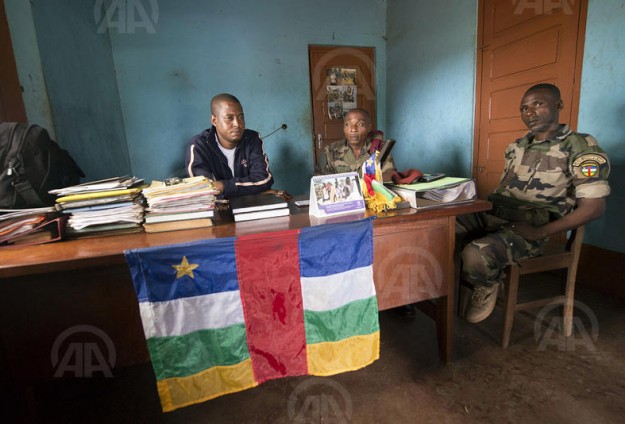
column 228, row 153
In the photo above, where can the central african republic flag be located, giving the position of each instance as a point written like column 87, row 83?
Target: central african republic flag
column 224, row 315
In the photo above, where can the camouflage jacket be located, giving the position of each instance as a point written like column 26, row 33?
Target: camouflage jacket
column 552, row 174
column 338, row 157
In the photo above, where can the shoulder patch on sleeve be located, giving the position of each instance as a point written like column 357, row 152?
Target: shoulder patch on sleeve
column 600, row 159
column 589, row 165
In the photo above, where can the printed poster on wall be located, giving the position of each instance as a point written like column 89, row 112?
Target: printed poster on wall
column 342, row 91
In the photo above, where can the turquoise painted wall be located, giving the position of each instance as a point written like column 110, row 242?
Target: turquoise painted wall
column 431, row 79
column 28, row 62
column 256, row 50
column 80, row 78
column 602, row 109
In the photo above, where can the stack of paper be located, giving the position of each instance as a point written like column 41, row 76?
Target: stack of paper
column 179, row 204
column 110, row 206
column 114, row 183
column 436, row 193
column 462, row 191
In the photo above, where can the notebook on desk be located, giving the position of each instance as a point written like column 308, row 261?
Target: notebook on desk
column 255, row 203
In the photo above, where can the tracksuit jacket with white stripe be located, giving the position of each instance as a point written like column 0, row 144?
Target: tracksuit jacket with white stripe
column 251, row 166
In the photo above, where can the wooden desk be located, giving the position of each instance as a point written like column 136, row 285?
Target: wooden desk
column 51, row 288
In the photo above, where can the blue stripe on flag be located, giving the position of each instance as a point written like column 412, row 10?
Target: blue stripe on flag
column 332, row 248
column 154, row 275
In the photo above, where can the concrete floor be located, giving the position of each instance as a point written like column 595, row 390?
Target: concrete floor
column 535, row 380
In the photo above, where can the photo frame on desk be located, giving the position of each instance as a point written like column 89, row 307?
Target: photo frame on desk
column 335, row 194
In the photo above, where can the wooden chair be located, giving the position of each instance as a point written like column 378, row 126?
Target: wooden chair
column 562, row 255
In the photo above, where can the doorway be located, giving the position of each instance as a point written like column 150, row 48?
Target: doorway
column 522, row 43
column 341, row 78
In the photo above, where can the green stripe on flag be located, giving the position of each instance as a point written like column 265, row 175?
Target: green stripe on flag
column 182, row 356
column 353, row 319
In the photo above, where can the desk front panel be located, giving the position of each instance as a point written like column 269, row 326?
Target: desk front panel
column 412, row 261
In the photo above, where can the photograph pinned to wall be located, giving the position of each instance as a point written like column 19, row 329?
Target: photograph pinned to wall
column 348, row 76
column 335, row 102
column 333, row 76
column 349, row 98
column 341, row 76
column 349, row 95
column 342, row 91
column 341, row 99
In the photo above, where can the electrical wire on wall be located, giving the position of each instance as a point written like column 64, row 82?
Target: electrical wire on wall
column 281, row 127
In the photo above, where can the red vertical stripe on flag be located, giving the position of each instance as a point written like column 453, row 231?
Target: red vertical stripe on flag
column 269, row 280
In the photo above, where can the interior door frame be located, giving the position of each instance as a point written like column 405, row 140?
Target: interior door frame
column 574, row 101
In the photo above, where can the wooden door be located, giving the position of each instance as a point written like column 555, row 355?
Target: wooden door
column 11, row 103
column 522, row 43
column 335, row 73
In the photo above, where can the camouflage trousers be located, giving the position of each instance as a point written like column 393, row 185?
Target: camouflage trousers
column 487, row 245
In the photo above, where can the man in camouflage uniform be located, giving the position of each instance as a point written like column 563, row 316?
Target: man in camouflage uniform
column 348, row 155
column 554, row 180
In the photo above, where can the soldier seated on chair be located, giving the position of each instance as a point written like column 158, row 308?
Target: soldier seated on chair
column 554, row 180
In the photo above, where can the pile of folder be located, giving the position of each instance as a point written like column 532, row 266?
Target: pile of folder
column 104, row 207
column 462, row 191
column 30, row 226
column 440, row 192
column 179, row 203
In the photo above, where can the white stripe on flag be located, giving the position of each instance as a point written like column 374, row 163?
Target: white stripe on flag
column 185, row 315
column 334, row 291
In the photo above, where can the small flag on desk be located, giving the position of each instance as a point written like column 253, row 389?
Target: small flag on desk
column 227, row 314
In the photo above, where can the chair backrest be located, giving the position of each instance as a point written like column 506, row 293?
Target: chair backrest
column 567, row 241
column 575, row 239
column 574, row 243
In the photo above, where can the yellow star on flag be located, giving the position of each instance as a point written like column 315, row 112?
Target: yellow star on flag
column 185, row 268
